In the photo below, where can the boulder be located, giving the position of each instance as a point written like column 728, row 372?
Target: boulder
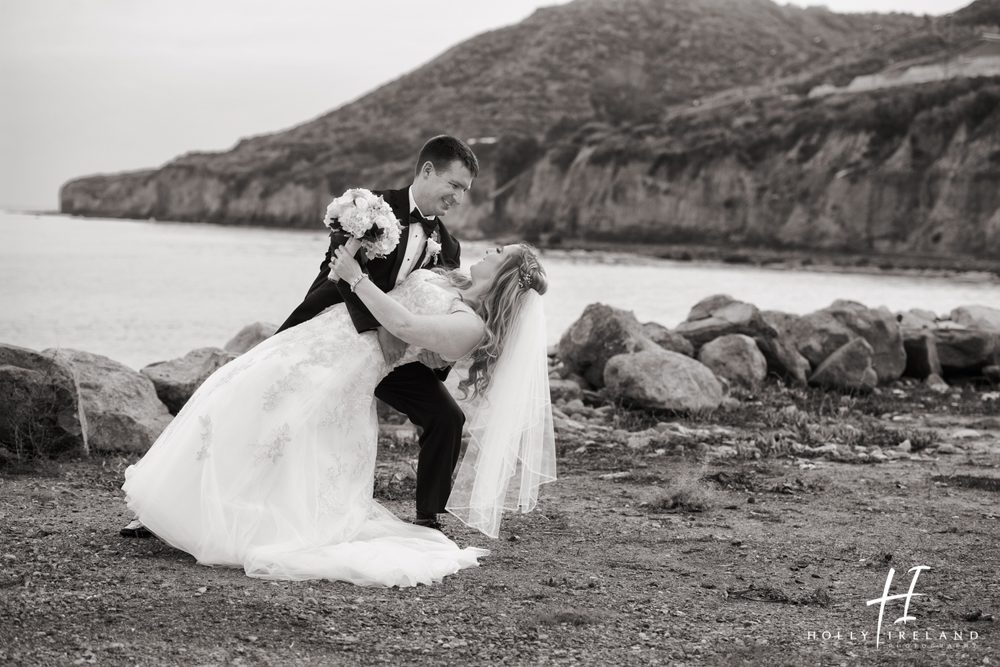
column 664, row 380
column 992, row 373
column 916, row 319
column 965, row 351
column 40, row 409
column 850, row 367
column 736, row 359
column 562, row 391
column 720, row 315
column 249, row 336
column 936, row 383
column 921, row 354
column 122, row 408
column 667, row 339
column 819, row 334
column 977, row 317
column 600, row 333
column 780, row 352
column 177, row 379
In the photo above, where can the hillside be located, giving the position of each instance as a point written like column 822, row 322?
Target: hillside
column 591, row 77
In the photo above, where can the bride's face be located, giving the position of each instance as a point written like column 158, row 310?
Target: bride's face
column 486, row 268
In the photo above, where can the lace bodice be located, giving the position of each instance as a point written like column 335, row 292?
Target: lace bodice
column 425, row 293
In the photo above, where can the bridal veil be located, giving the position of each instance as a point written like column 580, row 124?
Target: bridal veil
column 511, row 451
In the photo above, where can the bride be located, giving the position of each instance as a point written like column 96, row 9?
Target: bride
column 270, row 465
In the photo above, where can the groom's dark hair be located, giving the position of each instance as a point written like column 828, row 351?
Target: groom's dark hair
column 444, row 149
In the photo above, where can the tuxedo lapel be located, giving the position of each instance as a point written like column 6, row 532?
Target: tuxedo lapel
column 399, row 201
column 450, row 256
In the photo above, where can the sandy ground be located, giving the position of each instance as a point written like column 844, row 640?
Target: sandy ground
column 783, row 556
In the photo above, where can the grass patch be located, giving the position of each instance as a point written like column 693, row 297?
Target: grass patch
column 688, row 491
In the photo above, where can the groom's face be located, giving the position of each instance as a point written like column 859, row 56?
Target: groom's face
column 442, row 189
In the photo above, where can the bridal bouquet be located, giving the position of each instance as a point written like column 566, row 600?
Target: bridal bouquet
column 367, row 218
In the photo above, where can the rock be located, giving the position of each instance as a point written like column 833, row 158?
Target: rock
column 600, row 333
column 644, row 439
column 818, row 334
column 720, row 315
column 916, row 319
column 977, row 317
column 935, row 383
column 921, row 354
column 249, row 336
column 177, row 379
column 664, row 380
column 850, row 367
column 782, row 356
column 40, row 408
column 122, row 408
column 667, row 339
column 723, row 452
column 736, row 358
column 564, row 390
column 965, row 351
column 992, row 373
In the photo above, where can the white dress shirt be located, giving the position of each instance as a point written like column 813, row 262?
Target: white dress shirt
column 415, row 246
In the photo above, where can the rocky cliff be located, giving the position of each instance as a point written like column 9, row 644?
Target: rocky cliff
column 915, row 172
column 642, row 121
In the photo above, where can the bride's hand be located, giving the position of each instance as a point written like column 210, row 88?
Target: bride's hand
column 343, row 264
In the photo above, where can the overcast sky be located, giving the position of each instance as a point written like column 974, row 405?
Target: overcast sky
column 109, row 85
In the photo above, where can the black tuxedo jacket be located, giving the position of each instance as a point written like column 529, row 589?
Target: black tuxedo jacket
column 382, row 271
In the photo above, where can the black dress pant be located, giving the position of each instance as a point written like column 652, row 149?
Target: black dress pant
column 416, row 391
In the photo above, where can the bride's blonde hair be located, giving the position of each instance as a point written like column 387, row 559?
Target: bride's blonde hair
column 499, row 309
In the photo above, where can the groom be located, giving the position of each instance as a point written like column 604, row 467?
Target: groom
column 444, row 172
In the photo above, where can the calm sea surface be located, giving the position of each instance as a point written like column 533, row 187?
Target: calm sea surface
column 141, row 292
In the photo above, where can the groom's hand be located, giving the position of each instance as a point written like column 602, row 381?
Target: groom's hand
column 431, row 359
column 392, row 347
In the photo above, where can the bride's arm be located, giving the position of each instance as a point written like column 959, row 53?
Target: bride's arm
column 452, row 336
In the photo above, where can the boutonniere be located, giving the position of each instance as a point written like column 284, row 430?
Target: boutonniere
column 433, row 248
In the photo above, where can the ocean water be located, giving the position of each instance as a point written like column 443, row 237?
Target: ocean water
column 140, row 292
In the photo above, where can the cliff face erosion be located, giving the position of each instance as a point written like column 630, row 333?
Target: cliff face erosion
column 649, row 121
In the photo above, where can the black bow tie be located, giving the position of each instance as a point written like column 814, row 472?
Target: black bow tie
column 429, row 225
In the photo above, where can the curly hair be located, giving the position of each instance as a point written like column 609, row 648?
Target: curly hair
column 499, row 309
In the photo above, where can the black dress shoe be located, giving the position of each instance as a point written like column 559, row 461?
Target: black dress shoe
column 135, row 529
column 428, row 521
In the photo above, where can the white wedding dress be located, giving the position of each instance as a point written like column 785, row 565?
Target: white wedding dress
column 270, row 464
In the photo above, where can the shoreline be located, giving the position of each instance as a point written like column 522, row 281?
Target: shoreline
column 975, row 270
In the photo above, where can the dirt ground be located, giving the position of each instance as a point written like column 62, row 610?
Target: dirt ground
column 634, row 556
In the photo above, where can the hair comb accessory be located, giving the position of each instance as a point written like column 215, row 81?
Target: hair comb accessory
column 525, row 280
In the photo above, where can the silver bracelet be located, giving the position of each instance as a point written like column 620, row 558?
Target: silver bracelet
column 358, row 281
